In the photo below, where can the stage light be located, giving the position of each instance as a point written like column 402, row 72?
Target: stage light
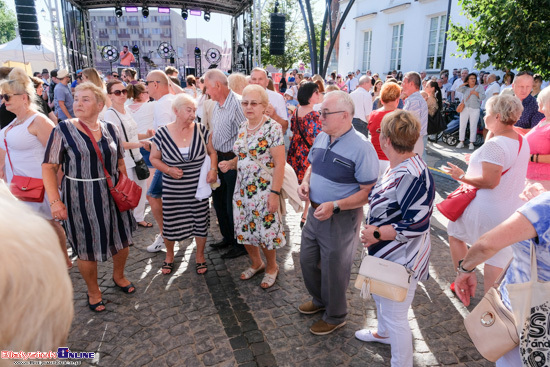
column 135, row 50
column 196, row 13
column 164, row 10
column 118, row 11
column 131, row 9
column 184, row 13
column 207, row 15
column 145, row 11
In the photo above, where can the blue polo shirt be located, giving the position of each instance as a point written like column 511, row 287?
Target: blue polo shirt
column 531, row 115
column 338, row 168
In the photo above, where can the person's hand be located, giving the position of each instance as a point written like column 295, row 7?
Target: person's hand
column 453, row 170
column 303, row 191
column 465, row 286
column 272, row 202
column 225, row 166
column 211, row 177
column 367, row 237
column 175, row 173
column 270, row 111
column 532, row 190
column 324, row 211
column 150, row 133
column 59, row 211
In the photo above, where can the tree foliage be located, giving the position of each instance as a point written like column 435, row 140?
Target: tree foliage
column 296, row 46
column 512, row 34
column 8, row 22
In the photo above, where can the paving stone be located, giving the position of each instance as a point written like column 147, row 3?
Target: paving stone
column 238, row 342
column 260, row 348
column 254, row 336
column 243, row 355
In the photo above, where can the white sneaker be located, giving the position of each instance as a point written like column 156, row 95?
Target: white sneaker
column 366, row 336
column 157, row 245
column 460, row 145
column 471, row 147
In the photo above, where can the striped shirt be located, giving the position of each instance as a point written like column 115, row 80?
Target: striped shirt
column 404, row 198
column 226, row 120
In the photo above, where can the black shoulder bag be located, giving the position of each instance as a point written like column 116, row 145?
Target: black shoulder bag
column 142, row 171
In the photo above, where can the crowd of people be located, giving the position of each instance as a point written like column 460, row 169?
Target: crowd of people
column 350, row 145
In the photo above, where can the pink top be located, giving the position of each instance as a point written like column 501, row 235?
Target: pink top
column 539, row 143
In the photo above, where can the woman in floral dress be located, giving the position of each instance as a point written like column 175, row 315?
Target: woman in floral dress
column 260, row 163
column 305, row 125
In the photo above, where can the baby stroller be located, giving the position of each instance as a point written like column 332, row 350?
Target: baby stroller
column 448, row 112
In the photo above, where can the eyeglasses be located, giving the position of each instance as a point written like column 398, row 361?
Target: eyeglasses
column 7, row 97
column 251, row 103
column 119, row 92
column 151, row 81
column 324, row 114
column 115, row 76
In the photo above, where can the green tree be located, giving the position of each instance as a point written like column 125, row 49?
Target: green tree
column 511, row 34
column 296, row 47
column 8, row 22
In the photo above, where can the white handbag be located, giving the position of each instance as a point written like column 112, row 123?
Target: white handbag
column 385, row 278
column 204, row 189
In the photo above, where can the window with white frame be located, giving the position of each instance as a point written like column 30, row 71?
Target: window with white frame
column 436, row 40
column 396, row 47
column 367, row 42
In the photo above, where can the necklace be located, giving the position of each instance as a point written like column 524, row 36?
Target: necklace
column 255, row 127
column 94, row 130
column 21, row 120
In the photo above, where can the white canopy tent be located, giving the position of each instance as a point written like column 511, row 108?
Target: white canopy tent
column 40, row 57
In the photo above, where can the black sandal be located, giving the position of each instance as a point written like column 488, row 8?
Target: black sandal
column 302, row 222
column 125, row 289
column 95, row 306
column 167, row 266
column 200, row 266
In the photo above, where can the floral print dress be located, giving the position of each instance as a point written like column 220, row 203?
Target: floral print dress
column 254, row 224
column 310, row 126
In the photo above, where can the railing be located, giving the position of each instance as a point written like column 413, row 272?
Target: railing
column 124, row 35
column 110, row 23
column 132, row 22
column 165, row 22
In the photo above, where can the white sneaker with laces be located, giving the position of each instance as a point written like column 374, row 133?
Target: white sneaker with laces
column 471, row 147
column 157, row 245
column 366, row 336
column 460, row 145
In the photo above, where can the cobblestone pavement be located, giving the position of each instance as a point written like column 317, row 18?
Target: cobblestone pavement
column 218, row 320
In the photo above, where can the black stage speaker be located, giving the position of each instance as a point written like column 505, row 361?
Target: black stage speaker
column 277, row 45
column 28, row 22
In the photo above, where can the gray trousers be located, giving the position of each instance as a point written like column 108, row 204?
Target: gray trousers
column 326, row 257
column 360, row 126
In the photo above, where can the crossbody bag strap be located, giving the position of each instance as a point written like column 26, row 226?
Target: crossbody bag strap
column 300, row 130
column 98, row 152
column 123, row 130
column 7, row 151
column 520, row 139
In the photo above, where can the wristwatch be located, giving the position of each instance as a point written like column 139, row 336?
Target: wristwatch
column 460, row 269
column 376, row 234
column 336, row 209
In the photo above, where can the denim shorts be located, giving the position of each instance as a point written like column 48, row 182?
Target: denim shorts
column 145, row 154
column 155, row 190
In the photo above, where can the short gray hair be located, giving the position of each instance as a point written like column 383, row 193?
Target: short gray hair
column 365, row 79
column 216, row 75
column 544, row 97
column 509, row 108
column 183, row 99
column 343, row 101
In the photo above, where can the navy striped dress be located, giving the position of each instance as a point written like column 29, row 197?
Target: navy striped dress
column 95, row 228
column 183, row 215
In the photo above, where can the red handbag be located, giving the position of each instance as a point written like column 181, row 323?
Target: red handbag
column 25, row 188
column 456, row 203
column 126, row 193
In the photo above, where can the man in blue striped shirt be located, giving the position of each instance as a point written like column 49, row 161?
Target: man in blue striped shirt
column 344, row 168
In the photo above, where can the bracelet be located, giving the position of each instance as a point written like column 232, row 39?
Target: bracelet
column 537, row 160
column 461, row 176
column 460, row 269
column 55, row 201
column 276, row 192
column 532, row 156
column 214, row 169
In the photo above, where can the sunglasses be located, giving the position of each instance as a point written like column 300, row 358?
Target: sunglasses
column 151, row 81
column 119, row 92
column 251, row 103
column 7, row 97
column 115, row 76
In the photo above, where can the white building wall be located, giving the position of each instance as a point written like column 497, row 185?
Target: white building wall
column 379, row 17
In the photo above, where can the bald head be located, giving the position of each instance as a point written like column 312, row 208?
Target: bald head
column 216, row 76
column 157, row 84
column 491, row 78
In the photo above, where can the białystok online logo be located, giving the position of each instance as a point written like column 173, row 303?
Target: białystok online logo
column 62, row 353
